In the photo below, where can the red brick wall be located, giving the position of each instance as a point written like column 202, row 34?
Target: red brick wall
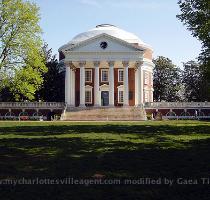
column 131, row 75
column 77, row 87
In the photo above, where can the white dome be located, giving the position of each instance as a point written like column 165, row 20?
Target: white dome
column 110, row 30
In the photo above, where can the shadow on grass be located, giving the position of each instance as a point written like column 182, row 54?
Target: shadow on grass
column 82, row 157
column 106, row 128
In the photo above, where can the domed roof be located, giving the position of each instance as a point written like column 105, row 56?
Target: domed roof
column 110, row 30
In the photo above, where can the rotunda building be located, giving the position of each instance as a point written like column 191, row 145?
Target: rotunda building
column 107, row 67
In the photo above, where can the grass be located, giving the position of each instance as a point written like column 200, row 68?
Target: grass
column 114, row 150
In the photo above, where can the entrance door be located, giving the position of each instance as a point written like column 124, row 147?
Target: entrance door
column 104, row 98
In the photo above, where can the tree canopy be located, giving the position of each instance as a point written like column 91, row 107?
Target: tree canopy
column 166, row 80
column 195, row 15
column 195, row 85
column 21, row 58
column 53, row 87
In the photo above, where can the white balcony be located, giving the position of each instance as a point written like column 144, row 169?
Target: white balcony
column 174, row 105
column 32, row 105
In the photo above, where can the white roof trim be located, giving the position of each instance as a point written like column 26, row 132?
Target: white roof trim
column 69, row 47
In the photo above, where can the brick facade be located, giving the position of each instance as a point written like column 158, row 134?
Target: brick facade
column 131, row 75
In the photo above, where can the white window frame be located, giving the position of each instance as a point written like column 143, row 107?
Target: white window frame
column 120, row 89
column 146, row 78
column 146, row 96
column 151, row 79
column 89, row 89
column 88, row 70
column 120, row 70
column 103, row 70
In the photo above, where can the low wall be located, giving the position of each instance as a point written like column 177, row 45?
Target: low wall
column 179, row 110
column 30, row 110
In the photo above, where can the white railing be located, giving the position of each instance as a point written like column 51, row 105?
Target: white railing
column 186, row 117
column 177, row 105
column 55, row 105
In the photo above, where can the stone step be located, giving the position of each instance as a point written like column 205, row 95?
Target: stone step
column 104, row 114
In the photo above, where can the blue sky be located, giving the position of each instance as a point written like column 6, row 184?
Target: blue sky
column 154, row 21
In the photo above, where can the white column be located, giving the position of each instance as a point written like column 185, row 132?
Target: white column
column 72, row 97
column 97, row 97
column 139, row 82
column 125, row 84
column 151, row 100
column 82, row 84
column 141, row 90
column 67, row 84
column 152, row 90
column 136, row 86
column 111, row 83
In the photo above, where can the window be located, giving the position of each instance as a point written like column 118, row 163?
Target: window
column 104, row 75
column 88, row 75
column 146, row 78
column 151, row 79
column 120, row 75
column 88, row 96
column 120, row 96
column 146, row 96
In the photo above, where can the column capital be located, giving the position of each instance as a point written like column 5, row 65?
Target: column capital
column 111, row 63
column 82, row 63
column 67, row 63
column 125, row 63
column 72, row 66
column 138, row 64
column 96, row 63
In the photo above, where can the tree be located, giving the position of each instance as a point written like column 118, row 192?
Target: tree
column 195, row 15
column 166, row 80
column 53, row 86
column 6, row 95
column 21, row 58
column 195, row 87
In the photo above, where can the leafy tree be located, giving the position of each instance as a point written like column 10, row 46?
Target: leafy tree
column 6, row 95
column 195, row 87
column 53, row 86
column 195, row 15
column 21, row 58
column 166, row 80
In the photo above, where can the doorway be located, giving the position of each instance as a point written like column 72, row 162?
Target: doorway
column 104, row 98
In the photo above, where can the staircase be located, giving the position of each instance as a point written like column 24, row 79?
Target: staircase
column 104, row 114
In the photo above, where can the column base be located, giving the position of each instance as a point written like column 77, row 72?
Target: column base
column 126, row 105
column 82, row 106
column 111, row 105
column 139, row 105
column 72, row 106
column 96, row 106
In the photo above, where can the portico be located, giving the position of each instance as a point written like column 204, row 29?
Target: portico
column 107, row 67
column 97, row 84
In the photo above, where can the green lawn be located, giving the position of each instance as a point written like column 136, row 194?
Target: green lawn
column 114, row 150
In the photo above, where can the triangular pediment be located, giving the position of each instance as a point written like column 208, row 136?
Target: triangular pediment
column 103, row 43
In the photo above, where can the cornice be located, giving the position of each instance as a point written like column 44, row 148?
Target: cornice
column 70, row 47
